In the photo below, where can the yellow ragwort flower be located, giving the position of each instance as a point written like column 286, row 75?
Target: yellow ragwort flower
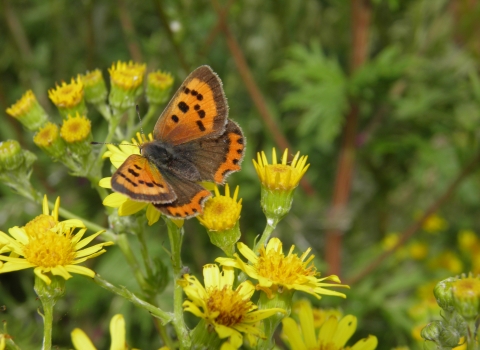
column 435, row 223
column 333, row 335
column 94, row 86
column 221, row 213
column 127, row 76
column 28, row 111
column 276, row 272
column 11, row 155
column 81, row 341
column 75, row 129
column 283, row 176
column 159, row 85
column 48, row 139
column 32, row 246
column 230, row 312
column 466, row 296
column 160, row 80
column 67, row 95
column 278, row 183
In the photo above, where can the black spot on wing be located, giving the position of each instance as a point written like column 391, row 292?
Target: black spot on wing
column 201, row 113
column 201, row 126
column 183, row 106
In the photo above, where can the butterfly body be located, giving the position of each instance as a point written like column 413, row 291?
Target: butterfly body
column 194, row 141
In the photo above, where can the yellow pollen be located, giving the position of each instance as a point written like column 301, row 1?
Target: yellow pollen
column 46, row 135
column 67, row 95
column 282, row 269
column 50, row 250
column 467, row 288
column 160, row 80
column 75, row 129
column 230, row 305
column 38, row 226
column 23, row 105
column 127, row 76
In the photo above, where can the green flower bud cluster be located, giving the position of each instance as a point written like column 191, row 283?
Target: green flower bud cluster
column 459, row 297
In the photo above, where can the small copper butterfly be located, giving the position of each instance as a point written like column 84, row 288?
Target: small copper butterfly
column 193, row 141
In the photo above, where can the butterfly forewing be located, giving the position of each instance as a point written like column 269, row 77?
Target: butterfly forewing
column 197, row 110
column 141, row 180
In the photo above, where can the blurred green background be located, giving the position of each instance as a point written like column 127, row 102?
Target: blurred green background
column 382, row 95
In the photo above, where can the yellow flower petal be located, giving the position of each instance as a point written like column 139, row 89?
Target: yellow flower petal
column 117, row 332
column 81, row 341
column 106, row 182
column 130, row 207
column 114, row 200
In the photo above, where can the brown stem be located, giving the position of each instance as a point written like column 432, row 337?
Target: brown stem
column 215, row 30
column 254, row 91
column 361, row 17
column 164, row 21
column 410, row 231
column 129, row 31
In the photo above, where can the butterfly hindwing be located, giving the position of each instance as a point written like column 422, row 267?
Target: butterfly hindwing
column 216, row 158
column 190, row 198
column 198, row 109
column 141, row 180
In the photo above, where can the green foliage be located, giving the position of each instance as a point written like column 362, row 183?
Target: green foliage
column 320, row 94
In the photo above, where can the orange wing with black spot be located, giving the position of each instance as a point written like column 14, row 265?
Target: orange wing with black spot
column 198, row 109
column 141, row 180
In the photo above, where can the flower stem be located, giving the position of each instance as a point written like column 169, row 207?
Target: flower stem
column 144, row 246
column 47, row 324
column 175, row 234
column 271, row 224
column 112, row 127
column 124, row 245
column 49, row 294
column 152, row 110
column 163, row 316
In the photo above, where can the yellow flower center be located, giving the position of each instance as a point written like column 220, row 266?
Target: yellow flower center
column 281, row 269
column 160, row 80
column 41, row 224
column 46, row 135
column 92, row 78
column 127, row 76
column 230, row 304
column 467, row 288
column 282, row 177
column 23, row 105
column 49, row 249
column 75, row 129
column 67, row 95
column 220, row 213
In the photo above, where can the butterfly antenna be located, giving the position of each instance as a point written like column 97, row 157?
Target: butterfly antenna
column 112, row 143
column 140, row 119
